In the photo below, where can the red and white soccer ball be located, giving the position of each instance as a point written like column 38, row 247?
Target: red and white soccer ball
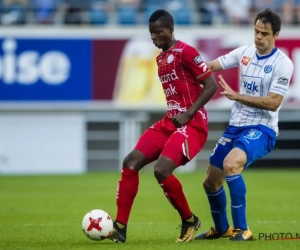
column 97, row 224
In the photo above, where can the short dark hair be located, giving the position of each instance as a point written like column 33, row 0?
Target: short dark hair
column 267, row 16
column 165, row 17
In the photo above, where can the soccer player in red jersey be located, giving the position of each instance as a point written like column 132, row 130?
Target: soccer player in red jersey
column 174, row 140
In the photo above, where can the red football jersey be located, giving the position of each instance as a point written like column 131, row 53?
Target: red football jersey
column 180, row 71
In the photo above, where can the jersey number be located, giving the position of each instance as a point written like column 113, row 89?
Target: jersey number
column 204, row 66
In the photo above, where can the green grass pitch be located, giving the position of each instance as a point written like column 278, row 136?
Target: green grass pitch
column 45, row 212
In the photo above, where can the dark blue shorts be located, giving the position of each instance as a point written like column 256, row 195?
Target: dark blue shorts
column 256, row 141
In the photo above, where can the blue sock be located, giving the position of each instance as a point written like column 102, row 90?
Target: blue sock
column 217, row 201
column 237, row 190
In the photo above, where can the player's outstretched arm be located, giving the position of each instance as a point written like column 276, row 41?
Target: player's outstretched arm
column 270, row 102
column 214, row 65
column 209, row 89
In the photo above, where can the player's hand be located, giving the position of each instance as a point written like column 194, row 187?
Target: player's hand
column 227, row 91
column 181, row 119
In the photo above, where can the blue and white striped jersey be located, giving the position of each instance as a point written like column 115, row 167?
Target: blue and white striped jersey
column 259, row 75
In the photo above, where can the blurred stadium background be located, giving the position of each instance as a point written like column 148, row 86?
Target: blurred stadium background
column 78, row 79
column 78, row 85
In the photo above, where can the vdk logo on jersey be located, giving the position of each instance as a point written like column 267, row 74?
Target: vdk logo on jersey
column 251, row 86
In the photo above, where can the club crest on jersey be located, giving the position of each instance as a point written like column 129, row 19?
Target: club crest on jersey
column 245, row 60
column 170, row 58
column 253, row 134
column 268, row 68
column 198, row 59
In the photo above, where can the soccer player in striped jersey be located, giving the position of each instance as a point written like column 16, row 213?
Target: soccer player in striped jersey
column 265, row 74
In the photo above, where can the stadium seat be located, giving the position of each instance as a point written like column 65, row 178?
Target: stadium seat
column 148, row 11
column 183, row 16
column 98, row 17
column 158, row 4
column 13, row 13
column 127, row 15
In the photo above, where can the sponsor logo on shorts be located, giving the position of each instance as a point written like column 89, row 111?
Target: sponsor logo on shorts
column 222, row 142
column 253, row 134
column 182, row 131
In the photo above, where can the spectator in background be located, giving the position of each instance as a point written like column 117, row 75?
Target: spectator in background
column 154, row 4
column 127, row 11
column 176, row 5
column 180, row 9
column 264, row 4
column 132, row 3
column 211, row 12
column 99, row 11
column 170, row 5
column 75, row 11
column 14, row 11
column 258, row 5
column 291, row 11
column 149, row 6
column 238, row 11
column 44, row 11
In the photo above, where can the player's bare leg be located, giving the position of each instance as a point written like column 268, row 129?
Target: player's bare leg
column 213, row 186
column 174, row 193
column 233, row 166
column 214, row 179
column 126, row 192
